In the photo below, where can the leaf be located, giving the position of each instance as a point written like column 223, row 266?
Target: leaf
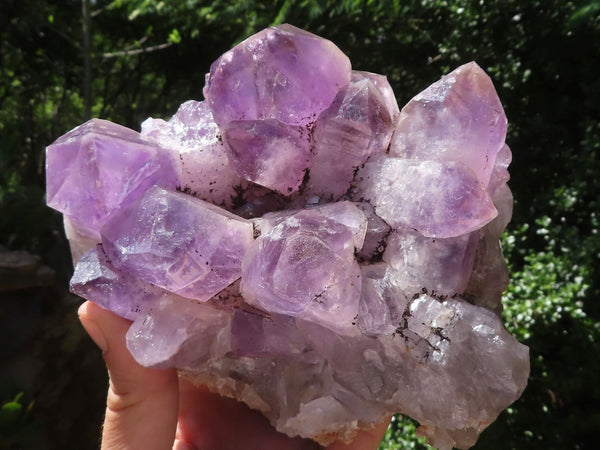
column 282, row 14
column 174, row 36
column 585, row 13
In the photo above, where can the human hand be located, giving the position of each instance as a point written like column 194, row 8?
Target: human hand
column 154, row 409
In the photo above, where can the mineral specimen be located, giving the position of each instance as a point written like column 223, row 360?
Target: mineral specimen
column 298, row 243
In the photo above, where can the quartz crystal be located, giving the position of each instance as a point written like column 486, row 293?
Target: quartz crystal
column 298, row 243
column 100, row 167
column 280, row 73
column 182, row 244
column 269, row 152
column 436, row 199
column 356, row 125
column 196, row 142
column 264, row 96
column 305, row 267
column 459, row 118
column 96, row 278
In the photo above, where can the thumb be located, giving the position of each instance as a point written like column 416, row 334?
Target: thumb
column 142, row 403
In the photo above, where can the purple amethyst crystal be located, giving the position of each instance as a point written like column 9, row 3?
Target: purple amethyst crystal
column 436, row 199
column 187, row 333
column 304, row 267
column 443, row 265
column 263, row 96
column 195, row 139
column 297, row 242
column 356, row 125
column 459, row 118
column 272, row 75
column 96, row 279
column 269, row 152
column 184, row 245
column 100, row 167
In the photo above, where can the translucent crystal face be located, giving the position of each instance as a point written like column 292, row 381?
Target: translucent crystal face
column 459, row 118
column 95, row 277
column 356, row 125
column 99, row 167
column 298, row 242
column 269, row 153
column 272, row 75
column 196, row 141
column 182, row 244
column 437, row 199
column 304, row 267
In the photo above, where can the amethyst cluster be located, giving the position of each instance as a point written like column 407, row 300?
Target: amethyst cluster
column 297, row 242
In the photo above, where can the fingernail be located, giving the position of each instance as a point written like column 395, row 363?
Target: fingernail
column 92, row 329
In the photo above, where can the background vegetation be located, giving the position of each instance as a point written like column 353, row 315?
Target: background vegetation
column 148, row 56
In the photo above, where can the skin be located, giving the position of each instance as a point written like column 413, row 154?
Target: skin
column 155, row 410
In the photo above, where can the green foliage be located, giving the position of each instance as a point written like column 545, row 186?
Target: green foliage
column 401, row 435
column 586, row 13
column 545, row 309
column 545, row 290
column 14, row 413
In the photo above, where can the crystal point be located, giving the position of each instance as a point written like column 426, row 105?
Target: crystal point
column 196, row 140
column 304, row 267
column 100, row 167
column 182, row 244
column 356, row 125
column 458, row 118
column 271, row 75
column 96, row 279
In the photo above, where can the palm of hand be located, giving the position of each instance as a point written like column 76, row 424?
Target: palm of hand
column 154, row 409
column 209, row 421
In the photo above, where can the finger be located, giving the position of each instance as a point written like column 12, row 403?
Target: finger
column 364, row 440
column 142, row 403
